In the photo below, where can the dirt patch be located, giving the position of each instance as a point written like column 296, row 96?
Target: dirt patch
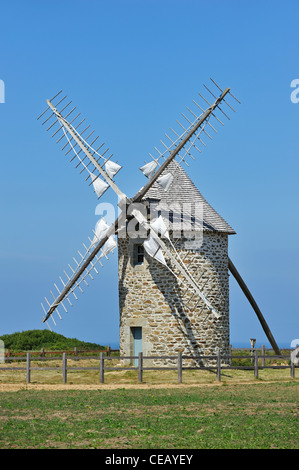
column 121, row 442
column 144, row 386
column 16, row 387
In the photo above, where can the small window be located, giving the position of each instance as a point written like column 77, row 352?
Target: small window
column 138, row 254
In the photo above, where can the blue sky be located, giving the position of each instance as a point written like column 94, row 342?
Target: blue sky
column 131, row 67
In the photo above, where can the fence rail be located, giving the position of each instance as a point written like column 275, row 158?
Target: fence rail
column 42, row 353
column 75, row 352
column 218, row 367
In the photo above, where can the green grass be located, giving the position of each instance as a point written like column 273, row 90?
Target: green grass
column 271, row 357
column 213, row 417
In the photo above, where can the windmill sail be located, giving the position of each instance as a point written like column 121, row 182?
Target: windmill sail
column 99, row 167
column 101, row 171
column 82, row 269
column 152, row 247
column 149, row 169
column 100, row 231
column 165, row 181
column 99, row 185
column 187, row 140
column 112, row 168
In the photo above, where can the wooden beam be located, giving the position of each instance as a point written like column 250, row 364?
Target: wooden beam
column 254, row 305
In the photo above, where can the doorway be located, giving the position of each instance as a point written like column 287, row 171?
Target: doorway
column 137, row 342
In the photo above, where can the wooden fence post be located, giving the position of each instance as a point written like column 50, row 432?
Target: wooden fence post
column 256, row 364
column 218, row 366
column 42, row 353
column 263, row 354
column 28, row 368
column 108, row 351
column 140, row 366
column 230, row 353
column 292, row 368
column 180, row 368
column 101, row 368
column 64, row 368
column 76, row 353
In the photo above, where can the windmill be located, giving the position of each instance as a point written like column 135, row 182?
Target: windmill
column 163, row 171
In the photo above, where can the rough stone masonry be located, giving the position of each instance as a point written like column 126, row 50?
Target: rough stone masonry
column 172, row 319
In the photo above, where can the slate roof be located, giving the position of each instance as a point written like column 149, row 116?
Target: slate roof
column 183, row 191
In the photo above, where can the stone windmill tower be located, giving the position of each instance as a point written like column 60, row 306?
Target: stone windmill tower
column 157, row 315
column 173, row 264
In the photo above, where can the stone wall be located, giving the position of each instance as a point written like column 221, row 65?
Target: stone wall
column 172, row 320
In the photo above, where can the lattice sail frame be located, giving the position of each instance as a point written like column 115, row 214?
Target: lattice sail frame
column 101, row 171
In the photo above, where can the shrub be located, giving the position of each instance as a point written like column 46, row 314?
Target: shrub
column 32, row 340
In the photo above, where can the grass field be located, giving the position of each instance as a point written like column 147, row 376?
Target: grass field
column 246, row 416
column 240, row 412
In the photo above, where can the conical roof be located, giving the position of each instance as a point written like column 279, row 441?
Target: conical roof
column 183, row 191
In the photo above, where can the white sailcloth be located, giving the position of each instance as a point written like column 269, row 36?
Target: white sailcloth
column 99, row 185
column 108, row 247
column 165, row 181
column 152, row 247
column 112, row 168
column 149, row 169
column 159, row 226
column 100, row 231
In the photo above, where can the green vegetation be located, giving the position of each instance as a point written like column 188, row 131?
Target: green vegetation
column 34, row 340
column 259, row 416
column 248, row 359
